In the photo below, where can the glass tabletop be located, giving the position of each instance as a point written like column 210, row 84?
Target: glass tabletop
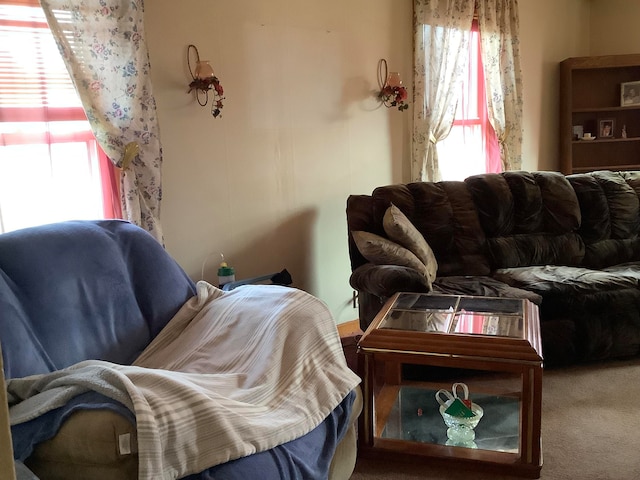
column 456, row 314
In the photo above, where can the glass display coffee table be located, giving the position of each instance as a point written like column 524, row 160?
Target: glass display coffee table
column 421, row 343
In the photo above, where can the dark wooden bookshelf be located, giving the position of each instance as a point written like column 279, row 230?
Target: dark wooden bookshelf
column 590, row 92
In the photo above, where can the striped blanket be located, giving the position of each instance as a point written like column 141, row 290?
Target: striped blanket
column 233, row 373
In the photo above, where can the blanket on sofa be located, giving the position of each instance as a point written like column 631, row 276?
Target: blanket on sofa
column 219, row 382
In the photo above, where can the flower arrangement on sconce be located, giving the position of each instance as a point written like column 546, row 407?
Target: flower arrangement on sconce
column 216, row 104
column 394, row 97
column 203, row 81
column 206, row 85
column 392, row 92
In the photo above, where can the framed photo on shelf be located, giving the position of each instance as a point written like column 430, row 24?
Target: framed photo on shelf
column 606, row 128
column 630, row 94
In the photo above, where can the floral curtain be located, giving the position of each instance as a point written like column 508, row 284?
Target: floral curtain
column 441, row 29
column 103, row 46
column 498, row 22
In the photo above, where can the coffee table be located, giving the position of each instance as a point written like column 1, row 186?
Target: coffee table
column 421, row 343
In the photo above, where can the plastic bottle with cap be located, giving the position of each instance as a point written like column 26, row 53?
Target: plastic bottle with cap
column 226, row 273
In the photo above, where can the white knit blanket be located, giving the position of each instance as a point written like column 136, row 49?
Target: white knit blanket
column 233, row 373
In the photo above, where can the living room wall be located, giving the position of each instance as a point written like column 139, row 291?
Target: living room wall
column 550, row 31
column 301, row 129
column 614, row 27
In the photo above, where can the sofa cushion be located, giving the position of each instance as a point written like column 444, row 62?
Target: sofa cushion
column 100, row 443
column 564, row 280
column 482, row 286
column 400, row 229
column 382, row 251
column 595, row 225
column 444, row 213
column 536, row 249
column 73, row 291
column 629, row 270
column 528, row 218
column 610, row 217
column 623, row 204
column 28, row 354
column 585, row 314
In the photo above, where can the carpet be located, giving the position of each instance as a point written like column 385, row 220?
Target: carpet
column 590, row 430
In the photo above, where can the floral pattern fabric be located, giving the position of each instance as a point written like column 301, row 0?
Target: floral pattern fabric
column 498, row 22
column 441, row 32
column 103, row 45
column 441, row 29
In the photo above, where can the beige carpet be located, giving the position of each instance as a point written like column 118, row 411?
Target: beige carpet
column 590, row 430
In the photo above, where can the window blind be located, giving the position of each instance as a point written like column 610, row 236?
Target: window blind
column 32, row 72
column 51, row 166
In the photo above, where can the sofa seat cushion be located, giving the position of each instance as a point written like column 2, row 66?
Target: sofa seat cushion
column 100, row 443
column 482, row 286
column 630, row 270
column 586, row 315
column 564, row 280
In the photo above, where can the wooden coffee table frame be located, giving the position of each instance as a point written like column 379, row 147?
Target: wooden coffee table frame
column 384, row 351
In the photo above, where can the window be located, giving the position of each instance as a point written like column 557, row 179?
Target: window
column 471, row 146
column 51, row 167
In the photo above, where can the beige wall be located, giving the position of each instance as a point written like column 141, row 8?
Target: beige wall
column 551, row 31
column 301, row 129
column 614, row 27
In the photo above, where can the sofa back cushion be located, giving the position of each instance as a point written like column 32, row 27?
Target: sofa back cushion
column 610, row 216
column 82, row 290
column 445, row 214
column 528, row 218
column 442, row 212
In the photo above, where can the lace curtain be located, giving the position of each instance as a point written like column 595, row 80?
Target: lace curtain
column 103, row 46
column 441, row 31
column 498, row 23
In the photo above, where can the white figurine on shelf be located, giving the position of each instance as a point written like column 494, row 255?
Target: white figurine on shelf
column 624, row 131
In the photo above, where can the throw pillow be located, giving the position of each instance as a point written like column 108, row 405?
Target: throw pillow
column 381, row 251
column 400, row 229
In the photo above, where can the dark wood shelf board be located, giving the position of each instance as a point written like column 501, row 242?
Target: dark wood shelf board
column 603, row 61
column 605, row 109
column 605, row 140
column 614, row 168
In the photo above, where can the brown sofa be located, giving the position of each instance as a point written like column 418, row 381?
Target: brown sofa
column 568, row 243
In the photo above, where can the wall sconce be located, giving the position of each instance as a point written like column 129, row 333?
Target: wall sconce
column 203, row 81
column 392, row 92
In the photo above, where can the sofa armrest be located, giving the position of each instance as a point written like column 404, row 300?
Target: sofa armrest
column 385, row 280
column 376, row 283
